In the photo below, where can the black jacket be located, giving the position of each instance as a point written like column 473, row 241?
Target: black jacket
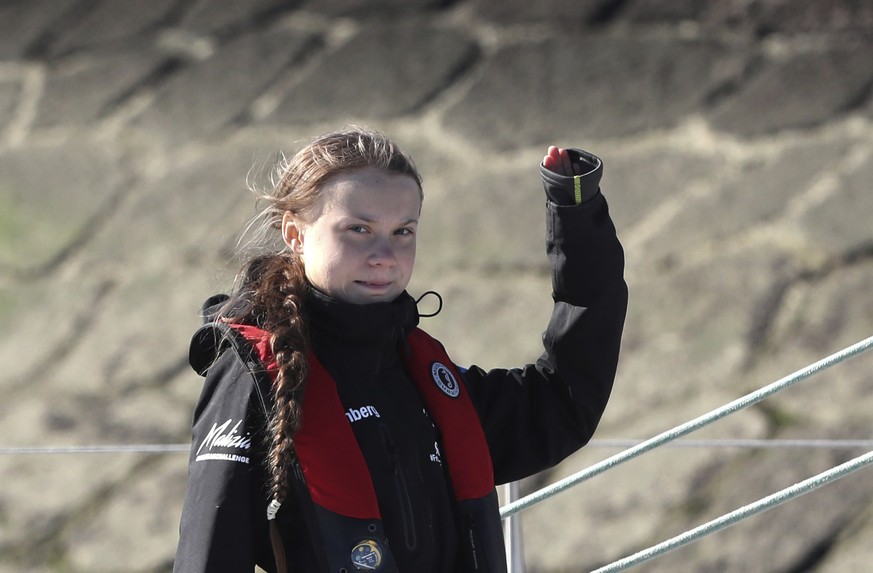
column 533, row 417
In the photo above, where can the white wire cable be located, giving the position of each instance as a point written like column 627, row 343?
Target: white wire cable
column 684, row 429
column 95, row 449
column 740, row 514
column 765, row 443
column 846, row 444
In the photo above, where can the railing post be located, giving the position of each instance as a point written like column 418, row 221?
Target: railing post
column 513, row 536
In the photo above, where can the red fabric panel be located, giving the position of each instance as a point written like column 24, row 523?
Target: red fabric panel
column 466, row 450
column 334, row 467
column 260, row 339
column 332, row 462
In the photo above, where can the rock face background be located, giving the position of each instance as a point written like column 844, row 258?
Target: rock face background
column 738, row 143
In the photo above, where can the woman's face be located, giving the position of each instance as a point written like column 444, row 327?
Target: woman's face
column 357, row 242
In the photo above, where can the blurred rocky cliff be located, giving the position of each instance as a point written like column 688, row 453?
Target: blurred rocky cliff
column 738, row 143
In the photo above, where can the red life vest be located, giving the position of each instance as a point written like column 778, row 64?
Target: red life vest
column 337, row 477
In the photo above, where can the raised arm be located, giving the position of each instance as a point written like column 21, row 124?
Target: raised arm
column 536, row 415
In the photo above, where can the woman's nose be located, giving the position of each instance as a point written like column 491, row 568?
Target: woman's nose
column 382, row 253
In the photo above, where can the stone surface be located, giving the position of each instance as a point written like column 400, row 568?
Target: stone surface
column 107, row 23
column 80, row 184
column 842, row 225
column 10, row 93
column 759, row 16
column 405, row 81
column 221, row 17
column 24, row 24
column 593, row 85
column 811, row 88
column 369, row 9
column 205, row 97
column 738, row 143
column 556, row 12
column 82, row 92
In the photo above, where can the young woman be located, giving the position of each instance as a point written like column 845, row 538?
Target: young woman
column 332, row 433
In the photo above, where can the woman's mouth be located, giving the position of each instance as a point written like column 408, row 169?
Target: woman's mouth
column 374, row 285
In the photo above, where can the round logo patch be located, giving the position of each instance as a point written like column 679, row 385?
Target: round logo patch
column 445, row 380
column 367, row 556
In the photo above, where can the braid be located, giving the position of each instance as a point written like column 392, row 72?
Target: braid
column 290, row 344
column 275, row 286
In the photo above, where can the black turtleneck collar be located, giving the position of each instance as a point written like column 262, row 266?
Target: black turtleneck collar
column 360, row 323
column 355, row 340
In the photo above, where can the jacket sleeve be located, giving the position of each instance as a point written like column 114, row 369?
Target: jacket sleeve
column 220, row 529
column 537, row 415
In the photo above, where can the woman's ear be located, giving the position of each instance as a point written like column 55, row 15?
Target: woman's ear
column 292, row 233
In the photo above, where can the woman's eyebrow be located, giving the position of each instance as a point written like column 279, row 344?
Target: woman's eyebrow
column 371, row 219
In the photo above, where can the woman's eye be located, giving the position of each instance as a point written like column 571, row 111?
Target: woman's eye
column 358, row 229
column 404, row 231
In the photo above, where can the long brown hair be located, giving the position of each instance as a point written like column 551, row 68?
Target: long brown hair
column 271, row 286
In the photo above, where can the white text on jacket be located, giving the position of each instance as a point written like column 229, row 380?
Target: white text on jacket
column 355, row 414
column 220, row 438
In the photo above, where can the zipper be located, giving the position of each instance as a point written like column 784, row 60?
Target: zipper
column 402, row 490
column 405, row 509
